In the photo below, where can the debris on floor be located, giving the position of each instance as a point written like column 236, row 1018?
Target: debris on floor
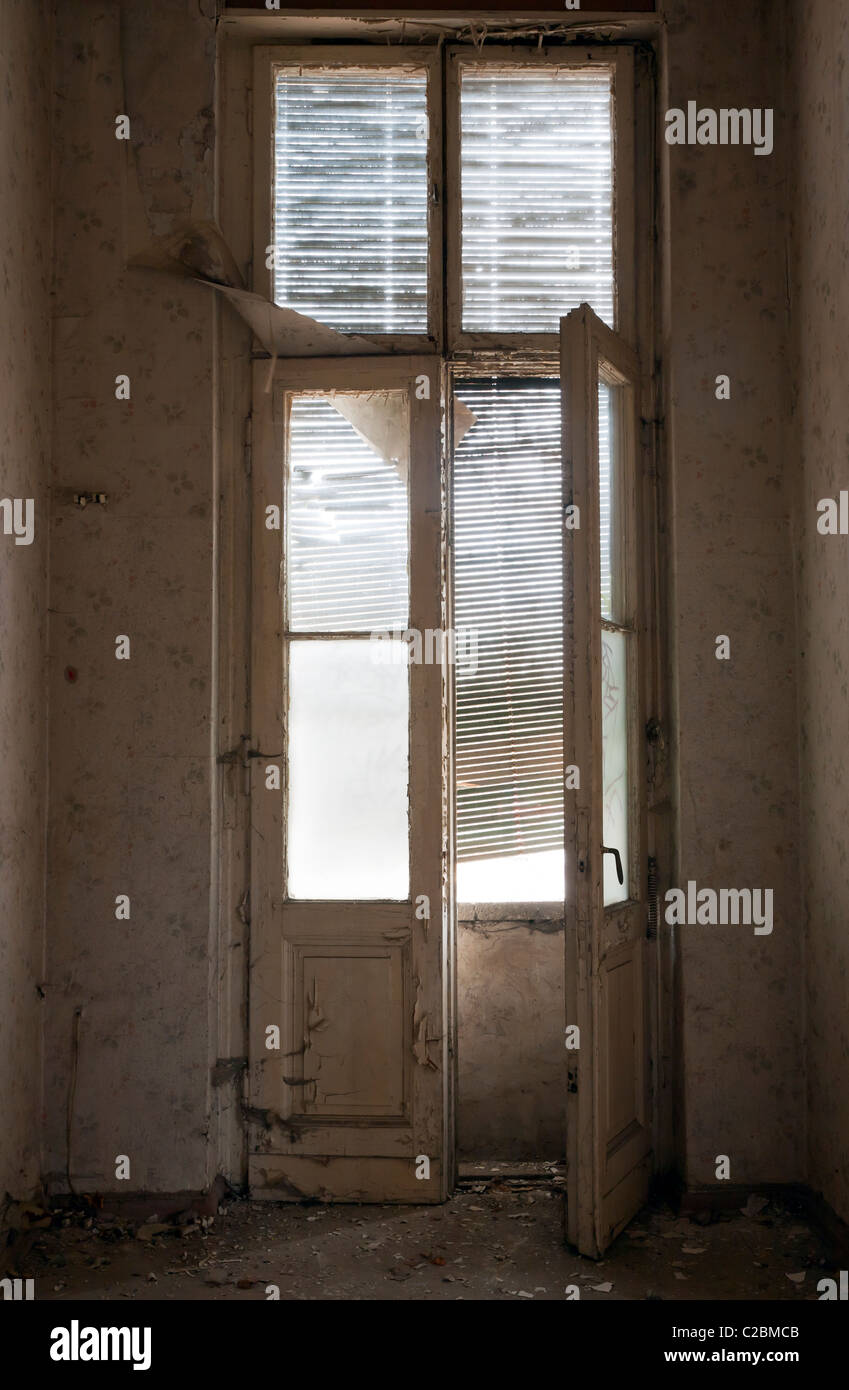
column 499, row 1237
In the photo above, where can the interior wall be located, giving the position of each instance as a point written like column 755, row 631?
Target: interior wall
column 25, row 248
column 130, row 1022
column 729, row 476
column 132, row 791
column 820, row 48
column 511, row 1055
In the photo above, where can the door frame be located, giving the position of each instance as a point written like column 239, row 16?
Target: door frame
column 238, row 356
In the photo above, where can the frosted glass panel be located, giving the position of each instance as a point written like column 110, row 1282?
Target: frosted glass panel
column 348, row 827
column 347, row 541
column 614, row 742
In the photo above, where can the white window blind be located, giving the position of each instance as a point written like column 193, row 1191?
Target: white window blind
column 347, row 532
column 537, row 196
column 508, row 587
column 350, row 197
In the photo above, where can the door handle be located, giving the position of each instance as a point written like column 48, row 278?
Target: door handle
column 617, row 856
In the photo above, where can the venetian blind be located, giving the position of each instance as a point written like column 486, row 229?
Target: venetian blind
column 347, row 546
column 507, row 532
column 350, row 197
column 537, row 192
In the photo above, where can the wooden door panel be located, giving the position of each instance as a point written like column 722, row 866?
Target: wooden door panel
column 625, row 1137
column 350, row 1105
column 608, row 1129
column 350, row 1017
column 342, row 1179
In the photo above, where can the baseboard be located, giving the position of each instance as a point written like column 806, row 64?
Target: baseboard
column 142, row 1206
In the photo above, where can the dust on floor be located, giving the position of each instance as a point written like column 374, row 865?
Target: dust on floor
column 493, row 1240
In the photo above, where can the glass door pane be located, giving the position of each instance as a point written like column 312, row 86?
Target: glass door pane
column 348, row 772
column 347, row 573
column 614, row 759
column 616, row 631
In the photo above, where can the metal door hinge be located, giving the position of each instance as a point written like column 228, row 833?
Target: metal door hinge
column 248, row 443
column 655, row 734
column 652, row 893
column 583, row 836
column 239, row 754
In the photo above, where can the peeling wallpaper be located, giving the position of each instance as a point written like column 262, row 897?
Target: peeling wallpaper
column 24, row 457
column 821, row 320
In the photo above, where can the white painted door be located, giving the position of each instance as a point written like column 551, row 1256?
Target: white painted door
column 347, row 1005
column 608, row 1123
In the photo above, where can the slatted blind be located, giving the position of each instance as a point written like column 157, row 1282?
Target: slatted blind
column 508, row 587
column 605, row 500
column 350, row 197
column 347, row 546
column 537, row 196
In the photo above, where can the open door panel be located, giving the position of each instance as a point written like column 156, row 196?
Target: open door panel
column 608, row 1123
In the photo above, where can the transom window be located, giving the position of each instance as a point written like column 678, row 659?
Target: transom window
column 350, row 201
column 536, row 162
column 455, row 198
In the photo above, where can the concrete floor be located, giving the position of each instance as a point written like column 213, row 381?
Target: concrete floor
column 501, row 1239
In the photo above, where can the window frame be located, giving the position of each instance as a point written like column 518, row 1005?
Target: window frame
column 268, row 57
column 618, row 367
column 293, row 377
column 621, row 60
column 460, row 353
column 444, row 262
column 606, row 356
